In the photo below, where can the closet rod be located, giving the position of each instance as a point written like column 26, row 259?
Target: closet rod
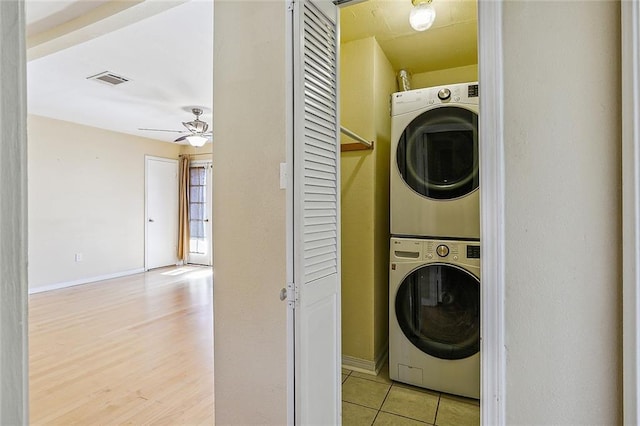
column 359, row 138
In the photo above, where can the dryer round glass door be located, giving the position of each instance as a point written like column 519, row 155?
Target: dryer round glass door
column 437, row 154
column 438, row 309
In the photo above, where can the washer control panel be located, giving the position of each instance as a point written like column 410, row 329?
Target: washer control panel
column 418, row 251
column 464, row 252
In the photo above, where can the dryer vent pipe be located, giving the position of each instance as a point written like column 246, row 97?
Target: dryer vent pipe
column 404, row 81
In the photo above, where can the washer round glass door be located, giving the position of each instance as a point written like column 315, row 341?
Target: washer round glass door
column 437, row 154
column 438, row 309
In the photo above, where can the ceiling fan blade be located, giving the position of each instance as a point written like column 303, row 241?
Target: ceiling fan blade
column 196, row 127
column 161, row 130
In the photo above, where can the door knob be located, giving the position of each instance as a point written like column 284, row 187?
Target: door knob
column 151, row 220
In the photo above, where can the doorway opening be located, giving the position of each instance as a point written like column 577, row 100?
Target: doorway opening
column 374, row 65
column 88, row 142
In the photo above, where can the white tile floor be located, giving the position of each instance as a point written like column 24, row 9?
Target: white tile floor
column 376, row 400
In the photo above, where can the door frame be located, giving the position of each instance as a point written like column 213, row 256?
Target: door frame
column 14, row 339
column 492, row 214
column 630, row 16
column 286, row 181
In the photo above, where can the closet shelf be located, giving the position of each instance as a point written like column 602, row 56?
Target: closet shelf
column 362, row 144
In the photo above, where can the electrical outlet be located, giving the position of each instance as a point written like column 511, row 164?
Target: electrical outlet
column 78, row 257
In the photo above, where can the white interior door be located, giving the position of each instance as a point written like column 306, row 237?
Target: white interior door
column 161, row 212
column 316, row 235
column 200, row 210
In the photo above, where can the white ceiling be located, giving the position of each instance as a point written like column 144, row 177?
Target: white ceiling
column 168, row 58
column 165, row 49
column 450, row 42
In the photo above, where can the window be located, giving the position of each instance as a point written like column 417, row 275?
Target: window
column 198, row 216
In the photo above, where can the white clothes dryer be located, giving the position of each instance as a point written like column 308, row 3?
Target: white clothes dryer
column 434, row 162
column 434, row 315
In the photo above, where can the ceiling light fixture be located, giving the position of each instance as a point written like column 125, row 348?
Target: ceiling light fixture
column 197, row 141
column 422, row 15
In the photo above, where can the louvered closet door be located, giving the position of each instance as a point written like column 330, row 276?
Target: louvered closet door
column 316, row 213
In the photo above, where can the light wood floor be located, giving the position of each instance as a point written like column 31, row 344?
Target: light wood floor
column 133, row 350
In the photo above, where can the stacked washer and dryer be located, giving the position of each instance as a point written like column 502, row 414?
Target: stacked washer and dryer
column 434, row 276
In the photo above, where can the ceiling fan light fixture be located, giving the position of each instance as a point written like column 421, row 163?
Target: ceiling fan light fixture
column 196, row 140
column 422, row 15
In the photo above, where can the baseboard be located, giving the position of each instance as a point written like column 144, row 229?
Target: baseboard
column 382, row 358
column 366, row 366
column 81, row 281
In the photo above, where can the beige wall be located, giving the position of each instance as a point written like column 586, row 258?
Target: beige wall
column 384, row 84
column 86, row 195
column 445, row 76
column 357, row 174
column 563, row 201
column 250, row 213
column 367, row 79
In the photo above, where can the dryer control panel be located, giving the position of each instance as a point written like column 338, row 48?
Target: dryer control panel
column 412, row 100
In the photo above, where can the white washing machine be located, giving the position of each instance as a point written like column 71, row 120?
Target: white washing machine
column 434, row 315
column 434, row 162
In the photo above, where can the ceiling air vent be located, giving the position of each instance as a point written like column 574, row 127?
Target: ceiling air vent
column 109, row 78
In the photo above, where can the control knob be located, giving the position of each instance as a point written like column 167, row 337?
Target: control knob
column 442, row 250
column 444, row 94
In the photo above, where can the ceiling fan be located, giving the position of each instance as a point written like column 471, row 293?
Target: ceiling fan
column 197, row 130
